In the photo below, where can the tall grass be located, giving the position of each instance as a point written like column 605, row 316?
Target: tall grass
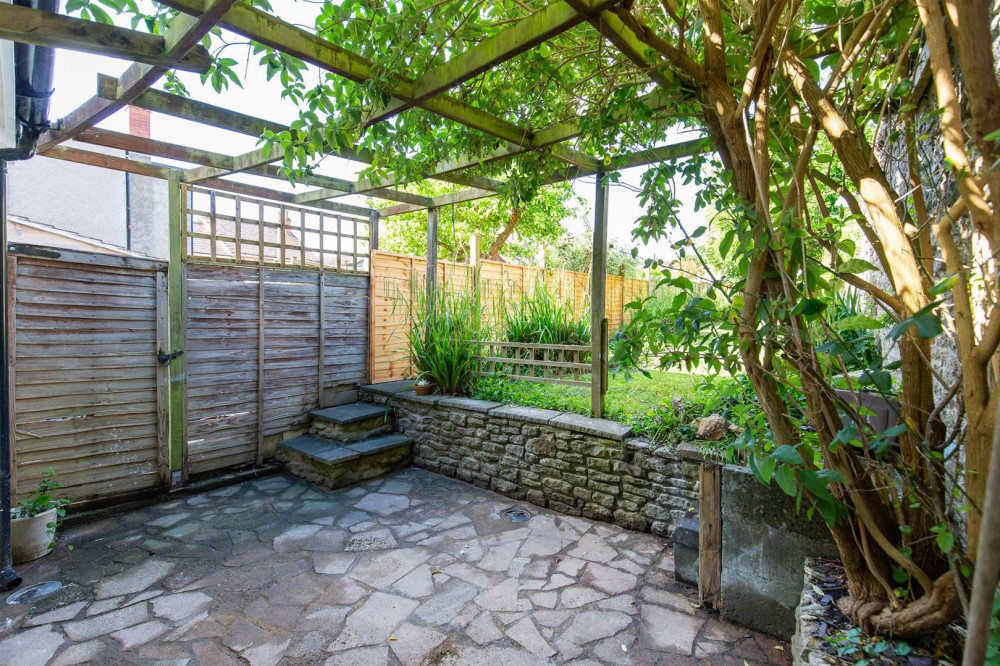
column 542, row 317
column 442, row 337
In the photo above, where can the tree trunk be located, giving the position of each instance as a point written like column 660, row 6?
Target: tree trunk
column 498, row 242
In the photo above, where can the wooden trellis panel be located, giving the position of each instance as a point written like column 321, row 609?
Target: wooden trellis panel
column 88, row 395
column 499, row 282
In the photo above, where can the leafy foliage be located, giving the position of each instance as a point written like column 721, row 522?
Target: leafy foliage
column 542, row 316
column 441, row 336
column 539, row 223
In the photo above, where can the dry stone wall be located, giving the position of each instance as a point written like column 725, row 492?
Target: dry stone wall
column 568, row 463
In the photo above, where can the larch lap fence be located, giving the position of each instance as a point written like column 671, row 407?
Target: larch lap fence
column 88, row 397
column 262, row 344
column 391, row 276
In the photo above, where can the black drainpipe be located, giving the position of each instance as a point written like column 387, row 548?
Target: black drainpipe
column 33, row 75
column 8, row 578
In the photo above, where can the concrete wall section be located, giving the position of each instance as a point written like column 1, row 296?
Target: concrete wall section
column 572, row 464
column 764, row 546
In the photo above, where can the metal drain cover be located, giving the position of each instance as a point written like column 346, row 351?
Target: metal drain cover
column 516, row 515
column 34, row 593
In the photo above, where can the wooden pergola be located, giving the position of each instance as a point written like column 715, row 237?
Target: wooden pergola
column 179, row 48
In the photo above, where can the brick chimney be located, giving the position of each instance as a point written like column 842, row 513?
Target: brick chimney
column 138, row 121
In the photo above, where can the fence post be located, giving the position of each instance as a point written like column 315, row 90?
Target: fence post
column 373, row 230
column 598, row 284
column 432, row 255
column 710, row 535
column 177, row 296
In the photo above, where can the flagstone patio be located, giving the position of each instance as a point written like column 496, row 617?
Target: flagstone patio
column 411, row 569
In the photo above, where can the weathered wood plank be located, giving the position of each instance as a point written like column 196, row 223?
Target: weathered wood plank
column 33, row 26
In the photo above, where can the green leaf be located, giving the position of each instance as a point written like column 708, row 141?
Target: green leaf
column 809, row 306
column 858, row 323
column 945, row 541
column 785, row 476
column 944, row 285
column 856, row 266
column 788, row 455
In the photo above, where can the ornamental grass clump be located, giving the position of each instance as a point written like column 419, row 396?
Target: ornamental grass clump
column 544, row 317
column 442, row 338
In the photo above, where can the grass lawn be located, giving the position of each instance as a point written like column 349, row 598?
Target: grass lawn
column 632, row 399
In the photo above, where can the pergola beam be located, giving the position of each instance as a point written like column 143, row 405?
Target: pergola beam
column 145, row 146
column 34, row 26
column 525, row 34
column 241, row 123
column 116, row 163
column 183, row 34
column 461, row 196
column 244, row 162
column 294, row 41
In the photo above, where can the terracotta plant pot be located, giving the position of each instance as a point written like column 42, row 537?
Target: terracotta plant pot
column 423, row 389
column 32, row 537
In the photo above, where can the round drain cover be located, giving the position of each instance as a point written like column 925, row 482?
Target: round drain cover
column 516, row 515
column 34, row 593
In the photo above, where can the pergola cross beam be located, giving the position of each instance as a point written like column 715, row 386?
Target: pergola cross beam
column 183, row 34
column 40, row 28
column 524, row 35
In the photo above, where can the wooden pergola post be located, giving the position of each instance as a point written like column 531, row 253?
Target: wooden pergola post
column 373, row 230
column 598, row 321
column 177, row 445
column 432, row 255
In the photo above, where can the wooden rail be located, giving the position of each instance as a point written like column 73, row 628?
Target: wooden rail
column 551, row 364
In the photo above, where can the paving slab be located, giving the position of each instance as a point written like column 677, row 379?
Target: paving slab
column 411, row 569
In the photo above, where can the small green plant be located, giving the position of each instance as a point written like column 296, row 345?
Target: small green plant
column 442, row 338
column 854, row 644
column 43, row 499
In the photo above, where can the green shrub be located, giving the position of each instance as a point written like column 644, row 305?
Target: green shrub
column 543, row 317
column 442, row 338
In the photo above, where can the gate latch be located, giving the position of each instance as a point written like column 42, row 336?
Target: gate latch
column 163, row 358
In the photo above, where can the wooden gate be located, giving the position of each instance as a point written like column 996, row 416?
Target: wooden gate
column 89, row 398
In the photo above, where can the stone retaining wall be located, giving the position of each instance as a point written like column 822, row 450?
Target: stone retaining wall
column 568, row 463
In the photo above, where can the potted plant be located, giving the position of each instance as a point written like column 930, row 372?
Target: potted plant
column 423, row 386
column 33, row 522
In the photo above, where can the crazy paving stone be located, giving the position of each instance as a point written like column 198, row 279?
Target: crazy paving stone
column 33, row 647
column 375, row 621
column 669, row 630
column 413, row 644
column 99, row 625
column 526, row 633
column 133, row 580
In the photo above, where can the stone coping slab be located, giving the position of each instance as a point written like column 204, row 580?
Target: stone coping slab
column 526, row 414
column 591, row 426
column 471, row 404
column 388, row 388
column 603, row 428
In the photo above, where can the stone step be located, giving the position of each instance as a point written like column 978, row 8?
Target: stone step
column 351, row 423
column 337, row 464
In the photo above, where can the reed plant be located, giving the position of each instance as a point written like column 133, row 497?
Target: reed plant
column 443, row 333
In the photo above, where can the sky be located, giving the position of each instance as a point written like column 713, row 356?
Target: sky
column 76, row 79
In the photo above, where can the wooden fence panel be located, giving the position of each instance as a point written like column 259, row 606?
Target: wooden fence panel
column 498, row 282
column 254, row 355
column 222, row 356
column 84, row 339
